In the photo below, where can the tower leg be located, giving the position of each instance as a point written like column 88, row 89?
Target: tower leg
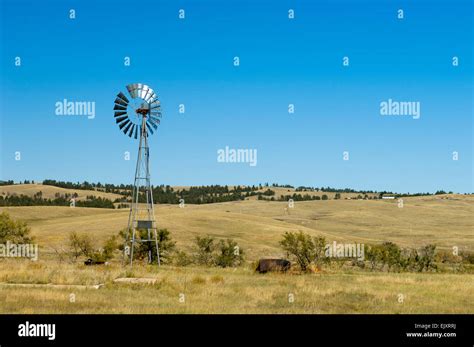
column 132, row 246
column 157, row 248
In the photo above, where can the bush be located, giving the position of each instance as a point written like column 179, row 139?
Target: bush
column 14, row 231
column 166, row 246
column 143, row 250
column 79, row 245
column 374, row 255
column 427, row 258
column 105, row 253
column 391, row 257
column 229, row 255
column 181, row 258
column 224, row 254
column 303, row 248
column 468, row 258
column 204, row 250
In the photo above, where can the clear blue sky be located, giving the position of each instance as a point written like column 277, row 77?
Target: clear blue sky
column 282, row 61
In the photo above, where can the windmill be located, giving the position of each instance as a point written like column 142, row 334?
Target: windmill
column 138, row 114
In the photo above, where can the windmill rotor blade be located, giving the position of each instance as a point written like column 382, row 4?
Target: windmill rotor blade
column 136, row 132
column 144, row 92
column 119, row 113
column 127, row 127
column 139, row 88
column 121, row 102
column 123, row 97
column 150, row 96
column 120, row 119
column 153, row 97
column 132, row 90
column 118, row 107
column 156, row 120
column 152, row 123
column 155, row 113
column 124, row 124
column 131, row 130
column 149, row 128
column 121, row 125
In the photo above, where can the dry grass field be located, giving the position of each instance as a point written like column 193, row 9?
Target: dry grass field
column 446, row 220
column 241, row 290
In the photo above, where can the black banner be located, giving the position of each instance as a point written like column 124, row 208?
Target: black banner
column 313, row 330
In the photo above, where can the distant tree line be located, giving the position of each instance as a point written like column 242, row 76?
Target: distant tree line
column 276, row 185
column 335, row 190
column 198, row 195
column 165, row 194
column 294, row 197
column 59, row 200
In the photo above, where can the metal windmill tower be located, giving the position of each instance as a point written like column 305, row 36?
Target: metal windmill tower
column 137, row 116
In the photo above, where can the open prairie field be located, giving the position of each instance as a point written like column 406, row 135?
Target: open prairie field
column 257, row 226
column 446, row 220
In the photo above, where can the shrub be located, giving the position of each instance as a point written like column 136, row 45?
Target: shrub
column 143, row 250
column 468, row 257
column 79, row 245
column 427, row 258
column 412, row 260
column 301, row 247
column 204, row 250
column 105, row 253
column 181, row 258
column 319, row 251
column 230, row 254
column 166, row 246
column 14, row 231
column 374, row 256
column 391, row 256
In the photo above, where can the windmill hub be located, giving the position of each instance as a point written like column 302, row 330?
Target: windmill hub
column 137, row 118
column 143, row 111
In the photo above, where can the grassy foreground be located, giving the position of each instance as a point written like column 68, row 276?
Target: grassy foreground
column 213, row 290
